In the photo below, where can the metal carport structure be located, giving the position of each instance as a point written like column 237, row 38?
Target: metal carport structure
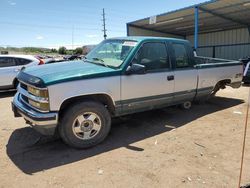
column 216, row 28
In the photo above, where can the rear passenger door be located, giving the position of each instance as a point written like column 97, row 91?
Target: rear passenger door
column 7, row 71
column 185, row 74
column 154, row 88
column 22, row 62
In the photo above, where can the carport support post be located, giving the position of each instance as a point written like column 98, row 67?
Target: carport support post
column 196, row 25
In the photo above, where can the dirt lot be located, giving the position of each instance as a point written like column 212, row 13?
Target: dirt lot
column 162, row 148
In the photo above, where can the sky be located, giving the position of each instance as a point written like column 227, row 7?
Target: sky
column 54, row 23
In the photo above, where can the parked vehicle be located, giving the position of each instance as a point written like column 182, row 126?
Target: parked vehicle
column 49, row 61
column 246, row 76
column 72, row 57
column 120, row 76
column 43, row 57
column 10, row 65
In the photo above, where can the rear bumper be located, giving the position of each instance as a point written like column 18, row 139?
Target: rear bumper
column 44, row 123
column 246, row 79
column 236, row 84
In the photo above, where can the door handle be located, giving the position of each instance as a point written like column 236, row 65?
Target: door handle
column 17, row 70
column 171, row 77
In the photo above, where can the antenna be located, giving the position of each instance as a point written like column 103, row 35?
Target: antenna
column 104, row 24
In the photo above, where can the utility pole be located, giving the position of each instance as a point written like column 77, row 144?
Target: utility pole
column 104, row 24
column 73, row 28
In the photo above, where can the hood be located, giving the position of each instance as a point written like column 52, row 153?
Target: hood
column 68, row 71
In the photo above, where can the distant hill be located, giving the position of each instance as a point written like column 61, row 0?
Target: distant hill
column 26, row 50
column 39, row 50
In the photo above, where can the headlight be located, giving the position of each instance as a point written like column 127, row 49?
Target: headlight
column 38, row 92
column 40, row 98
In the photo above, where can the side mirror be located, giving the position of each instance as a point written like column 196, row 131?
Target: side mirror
column 136, row 69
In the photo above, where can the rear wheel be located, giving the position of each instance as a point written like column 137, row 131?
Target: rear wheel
column 186, row 105
column 84, row 125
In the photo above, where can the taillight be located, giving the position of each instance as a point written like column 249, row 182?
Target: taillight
column 41, row 62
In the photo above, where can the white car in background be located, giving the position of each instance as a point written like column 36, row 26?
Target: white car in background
column 10, row 65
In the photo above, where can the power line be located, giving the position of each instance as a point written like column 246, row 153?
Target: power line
column 118, row 13
column 54, row 26
column 79, row 10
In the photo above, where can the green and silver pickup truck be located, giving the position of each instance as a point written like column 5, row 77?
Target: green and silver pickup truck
column 78, row 99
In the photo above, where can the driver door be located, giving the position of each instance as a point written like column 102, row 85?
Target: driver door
column 153, row 89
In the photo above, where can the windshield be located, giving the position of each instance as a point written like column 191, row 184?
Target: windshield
column 111, row 52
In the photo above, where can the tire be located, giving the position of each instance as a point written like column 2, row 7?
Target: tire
column 15, row 83
column 186, row 105
column 85, row 124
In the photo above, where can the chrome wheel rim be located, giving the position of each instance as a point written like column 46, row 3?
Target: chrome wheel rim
column 187, row 105
column 87, row 125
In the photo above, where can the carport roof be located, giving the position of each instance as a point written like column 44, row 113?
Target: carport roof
column 214, row 15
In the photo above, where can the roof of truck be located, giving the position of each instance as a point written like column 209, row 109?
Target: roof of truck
column 146, row 38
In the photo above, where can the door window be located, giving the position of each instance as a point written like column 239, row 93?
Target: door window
column 7, row 62
column 181, row 56
column 21, row 61
column 153, row 56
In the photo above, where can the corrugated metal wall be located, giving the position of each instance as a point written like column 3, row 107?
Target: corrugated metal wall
column 231, row 44
column 134, row 31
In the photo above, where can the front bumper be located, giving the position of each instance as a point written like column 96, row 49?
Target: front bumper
column 44, row 123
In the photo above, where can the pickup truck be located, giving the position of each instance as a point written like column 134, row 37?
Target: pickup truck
column 78, row 99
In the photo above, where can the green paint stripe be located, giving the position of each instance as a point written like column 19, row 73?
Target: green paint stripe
column 158, row 97
column 205, row 89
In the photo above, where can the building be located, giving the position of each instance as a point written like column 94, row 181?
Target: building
column 216, row 28
column 87, row 48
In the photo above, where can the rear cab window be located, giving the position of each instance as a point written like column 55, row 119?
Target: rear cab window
column 181, row 56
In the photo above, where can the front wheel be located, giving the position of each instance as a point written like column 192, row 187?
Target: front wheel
column 85, row 124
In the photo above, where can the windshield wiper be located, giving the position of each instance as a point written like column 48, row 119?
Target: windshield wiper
column 96, row 60
column 84, row 58
column 99, row 61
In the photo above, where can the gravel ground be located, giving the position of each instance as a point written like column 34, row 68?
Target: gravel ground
column 171, row 147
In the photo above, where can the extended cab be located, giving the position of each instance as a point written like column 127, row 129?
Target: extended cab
column 120, row 76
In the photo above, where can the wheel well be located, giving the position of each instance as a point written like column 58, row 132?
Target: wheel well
column 223, row 83
column 15, row 83
column 220, row 85
column 101, row 98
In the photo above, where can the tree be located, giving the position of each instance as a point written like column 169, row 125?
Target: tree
column 53, row 50
column 78, row 51
column 62, row 50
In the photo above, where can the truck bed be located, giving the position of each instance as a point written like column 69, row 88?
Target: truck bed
column 205, row 62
